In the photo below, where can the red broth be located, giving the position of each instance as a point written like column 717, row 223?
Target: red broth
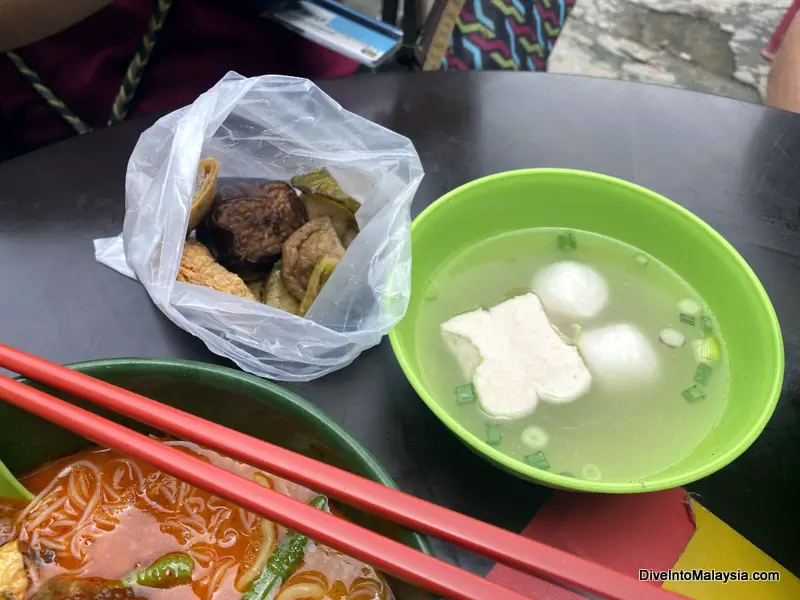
column 100, row 514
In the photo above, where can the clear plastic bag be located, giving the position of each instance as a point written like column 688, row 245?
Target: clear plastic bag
column 273, row 127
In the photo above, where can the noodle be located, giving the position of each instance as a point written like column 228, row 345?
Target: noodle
column 133, row 469
column 269, row 533
column 307, row 585
column 84, row 486
column 111, row 494
column 202, row 556
column 97, row 502
column 225, row 564
column 47, row 512
column 229, row 538
column 247, row 518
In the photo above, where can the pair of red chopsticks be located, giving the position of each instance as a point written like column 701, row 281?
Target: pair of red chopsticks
column 386, row 555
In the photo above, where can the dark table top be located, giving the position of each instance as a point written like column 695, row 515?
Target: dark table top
column 736, row 165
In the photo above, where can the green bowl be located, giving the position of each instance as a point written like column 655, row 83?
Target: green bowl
column 232, row 398
column 526, row 199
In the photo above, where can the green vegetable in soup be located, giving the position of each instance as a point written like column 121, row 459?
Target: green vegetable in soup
column 693, row 394
column 494, row 434
column 465, row 394
column 689, row 306
column 686, row 319
column 591, row 472
column 534, row 437
column 538, row 460
column 284, row 561
column 168, row 571
column 702, row 374
column 706, row 350
column 707, row 323
column 566, row 241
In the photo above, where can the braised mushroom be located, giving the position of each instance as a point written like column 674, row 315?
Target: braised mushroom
column 249, row 224
column 302, row 251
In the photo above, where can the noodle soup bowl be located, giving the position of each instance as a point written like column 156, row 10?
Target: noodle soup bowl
column 231, row 398
column 561, row 198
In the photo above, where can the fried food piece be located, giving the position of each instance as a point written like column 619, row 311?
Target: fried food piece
column 66, row 587
column 276, row 294
column 257, row 288
column 322, row 182
column 319, row 277
column 199, row 267
column 250, row 222
column 302, row 251
column 344, row 222
column 204, row 188
column 13, row 575
column 9, row 510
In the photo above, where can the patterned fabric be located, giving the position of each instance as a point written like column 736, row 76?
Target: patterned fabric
column 506, row 34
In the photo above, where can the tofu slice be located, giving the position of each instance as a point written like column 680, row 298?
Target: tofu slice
column 514, row 358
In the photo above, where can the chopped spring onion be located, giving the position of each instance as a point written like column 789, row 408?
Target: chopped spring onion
column 570, row 334
column 706, row 350
column 575, row 333
column 591, row 472
column 566, row 474
column 686, row 319
column 431, row 294
column 284, row 561
column 642, row 259
column 672, row 338
column 693, row 394
column 538, row 460
column 707, row 323
column 465, row 394
column 534, row 437
column 566, row 241
column 690, row 307
column 702, row 374
column 493, row 434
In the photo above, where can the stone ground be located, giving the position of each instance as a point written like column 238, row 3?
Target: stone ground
column 703, row 45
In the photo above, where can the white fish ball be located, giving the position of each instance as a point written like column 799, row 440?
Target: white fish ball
column 619, row 356
column 571, row 289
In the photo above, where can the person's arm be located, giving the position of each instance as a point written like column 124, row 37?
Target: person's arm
column 23, row 22
column 783, row 85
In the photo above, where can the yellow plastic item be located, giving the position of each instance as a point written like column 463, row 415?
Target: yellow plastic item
column 715, row 546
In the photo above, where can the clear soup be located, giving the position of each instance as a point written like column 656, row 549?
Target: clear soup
column 603, row 434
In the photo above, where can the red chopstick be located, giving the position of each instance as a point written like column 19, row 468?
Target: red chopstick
column 387, row 555
column 560, row 567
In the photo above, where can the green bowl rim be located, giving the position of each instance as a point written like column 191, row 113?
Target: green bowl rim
column 318, row 417
column 606, row 487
